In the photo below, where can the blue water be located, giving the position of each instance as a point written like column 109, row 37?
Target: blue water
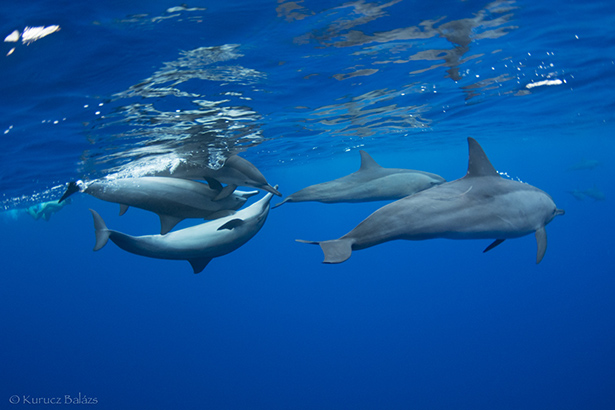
column 298, row 88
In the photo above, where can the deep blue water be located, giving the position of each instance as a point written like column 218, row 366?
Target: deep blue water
column 298, row 88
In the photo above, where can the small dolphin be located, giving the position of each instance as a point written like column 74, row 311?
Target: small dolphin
column 584, row 164
column 481, row 205
column 370, row 183
column 594, row 193
column 173, row 199
column 197, row 244
column 235, row 172
column 578, row 195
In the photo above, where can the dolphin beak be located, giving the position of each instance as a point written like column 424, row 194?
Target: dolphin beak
column 559, row 212
column 271, row 189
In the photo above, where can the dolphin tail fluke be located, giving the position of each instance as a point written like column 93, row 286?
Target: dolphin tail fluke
column 70, row 189
column 102, row 233
column 336, row 250
column 541, row 241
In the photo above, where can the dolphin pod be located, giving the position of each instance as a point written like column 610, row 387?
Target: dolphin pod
column 173, row 199
column 197, row 244
column 370, row 183
column 481, row 205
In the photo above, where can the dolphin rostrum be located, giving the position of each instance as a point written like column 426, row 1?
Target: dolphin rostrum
column 481, row 205
column 235, row 172
column 197, row 244
column 173, row 199
column 370, row 183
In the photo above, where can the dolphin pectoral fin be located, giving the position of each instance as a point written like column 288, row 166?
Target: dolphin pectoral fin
column 226, row 191
column 168, row 222
column 233, row 223
column 493, row 244
column 123, row 209
column 198, row 264
column 214, row 184
column 102, row 233
column 336, row 251
column 541, row 241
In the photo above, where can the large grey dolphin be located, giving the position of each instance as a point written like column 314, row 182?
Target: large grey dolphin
column 370, row 183
column 235, row 172
column 197, row 244
column 481, row 205
column 173, row 199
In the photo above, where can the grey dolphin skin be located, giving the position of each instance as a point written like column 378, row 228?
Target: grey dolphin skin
column 173, row 199
column 197, row 244
column 370, row 183
column 481, row 205
column 235, row 172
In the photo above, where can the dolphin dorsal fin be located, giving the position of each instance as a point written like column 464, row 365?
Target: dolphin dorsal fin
column 367, row 162
column 478, row 163
column 198, row 264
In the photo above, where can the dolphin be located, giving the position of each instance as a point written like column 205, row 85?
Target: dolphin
column 235, row 172
column 481, row 205
column 173, row 199
column 594, row 193
column 370, row 183
column 584, row 164
column 197, row 244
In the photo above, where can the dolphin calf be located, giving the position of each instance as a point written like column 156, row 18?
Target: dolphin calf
column 370, row 183
column 481, row 205
column 173, row 199
column 235, row 172
column 197, row 244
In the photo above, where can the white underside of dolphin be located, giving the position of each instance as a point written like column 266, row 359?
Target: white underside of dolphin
column 481, row 205
column 371, row 182
column 197, row 244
